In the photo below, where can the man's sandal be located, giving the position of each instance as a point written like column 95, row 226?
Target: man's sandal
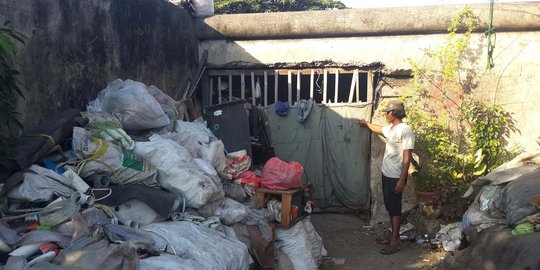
column 389, row 250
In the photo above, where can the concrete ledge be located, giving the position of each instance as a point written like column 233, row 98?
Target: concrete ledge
column 513, row 17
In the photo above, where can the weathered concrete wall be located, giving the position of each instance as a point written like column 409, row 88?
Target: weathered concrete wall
column 361, row 22
column 387, row 38
column 75, row 48
column 367, row 38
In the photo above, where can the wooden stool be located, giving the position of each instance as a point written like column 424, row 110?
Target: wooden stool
column 286, row 198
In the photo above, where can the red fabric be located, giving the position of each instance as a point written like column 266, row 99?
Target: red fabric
column 249, row 177
column 280, row 175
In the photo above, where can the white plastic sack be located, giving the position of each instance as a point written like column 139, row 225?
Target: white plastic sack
column 135, row 213
column 237, row 163
column 201, row 143
column 168, row 104
column 105, row 126
column 227, row 210
column 302, row 245
column 200, row 247
column 132, row 104
column 215, row 154
column 209, row 208
column 178, row 172
column 450, row 236
column 40, row 185
column 167, row 261
column 480, row 220
column 103, row 158
column 203, row 8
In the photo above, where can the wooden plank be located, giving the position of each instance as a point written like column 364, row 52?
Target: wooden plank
column 200, row 71
column 211, row 89
column 276, row 80
column 280, row 192
column 286, row 201
column 311, row 83
column 219, row 89
column 230, row 88
column 260, row 72
column 353, row 87
column 205, row 91
column 182, row 109
column 265, row 88
column 325, row 87
column 336, row 89
column 298, row 79
column 260, row 200
column 242, row 87
column 191, row 111
column 357, row 86
column 370, row 77
column 289, row 85
column 253, row 88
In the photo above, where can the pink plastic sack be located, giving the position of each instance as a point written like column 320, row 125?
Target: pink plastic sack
column 280, row 175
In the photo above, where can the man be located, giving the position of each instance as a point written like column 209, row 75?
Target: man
column 395, row 166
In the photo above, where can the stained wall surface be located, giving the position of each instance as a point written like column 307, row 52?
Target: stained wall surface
column 74, row 48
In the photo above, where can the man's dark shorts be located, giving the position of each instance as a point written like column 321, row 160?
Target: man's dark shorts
column 392, row 200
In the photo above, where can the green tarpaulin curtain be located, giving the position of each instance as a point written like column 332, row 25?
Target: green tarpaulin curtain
column 333, row 149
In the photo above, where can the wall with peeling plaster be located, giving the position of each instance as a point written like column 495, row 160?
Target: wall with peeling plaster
column 75, row 48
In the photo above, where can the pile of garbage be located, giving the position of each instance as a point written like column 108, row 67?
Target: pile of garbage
column 502, row 223
column 128, row 184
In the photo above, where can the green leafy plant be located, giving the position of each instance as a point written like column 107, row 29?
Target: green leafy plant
column 458, row 138
column 259, row 6
column 9, row 87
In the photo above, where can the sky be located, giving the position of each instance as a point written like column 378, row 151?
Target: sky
column 401, row 3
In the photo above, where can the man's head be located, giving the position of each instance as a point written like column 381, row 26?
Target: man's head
column 396, row 108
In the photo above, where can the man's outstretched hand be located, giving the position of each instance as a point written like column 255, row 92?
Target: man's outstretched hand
column 362, row 122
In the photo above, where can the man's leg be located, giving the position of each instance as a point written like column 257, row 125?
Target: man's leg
column 392, row 202
column 396, row 224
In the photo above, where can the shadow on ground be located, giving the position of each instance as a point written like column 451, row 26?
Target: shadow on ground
column 350, row 243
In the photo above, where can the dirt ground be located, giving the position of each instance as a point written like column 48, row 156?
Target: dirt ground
column 350, row 243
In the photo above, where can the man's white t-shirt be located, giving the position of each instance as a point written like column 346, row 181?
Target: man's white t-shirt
column 398, row 138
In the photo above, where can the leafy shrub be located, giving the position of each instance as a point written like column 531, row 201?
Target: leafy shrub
column 9, row 87
column 458, row 138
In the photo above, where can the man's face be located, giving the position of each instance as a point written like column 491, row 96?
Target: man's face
column 390, row 116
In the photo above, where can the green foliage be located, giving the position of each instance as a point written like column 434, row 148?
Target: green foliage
column 259, row 6
column 9, row 87
column 492, row 125
column 458, row 138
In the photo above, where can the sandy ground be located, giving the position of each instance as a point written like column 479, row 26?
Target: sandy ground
column 350, row 243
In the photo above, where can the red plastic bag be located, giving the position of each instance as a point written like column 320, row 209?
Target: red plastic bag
column 249, row 177
column 280, row 175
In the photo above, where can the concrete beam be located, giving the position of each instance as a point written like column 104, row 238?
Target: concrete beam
column 513, row 17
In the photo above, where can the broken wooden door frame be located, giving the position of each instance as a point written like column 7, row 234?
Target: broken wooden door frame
column 219, row 75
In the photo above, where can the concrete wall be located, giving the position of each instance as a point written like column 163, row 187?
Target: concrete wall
column 387, row 38
column 75, row 48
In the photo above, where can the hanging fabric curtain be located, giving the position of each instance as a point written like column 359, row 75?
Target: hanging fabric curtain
column 333, row 149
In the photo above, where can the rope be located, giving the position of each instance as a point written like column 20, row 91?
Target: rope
column 166, row 239
column 50, row 138
column 102, row 189
column 491, row 37
column 82, row 163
